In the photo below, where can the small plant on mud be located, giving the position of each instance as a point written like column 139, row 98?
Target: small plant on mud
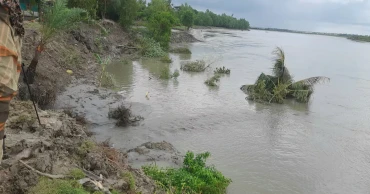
column 123, row 116
column 166, row 59
column 213, row 80
column 85, row 147
column 222, row 70
column 194, row 177
column 194, row 66
column 181, row 50
column 151, row 48
column 56, row 186
column 128, row 177
column 76, row 174
column 105, row 79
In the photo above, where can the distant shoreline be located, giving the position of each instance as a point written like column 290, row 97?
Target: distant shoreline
column 354, row 37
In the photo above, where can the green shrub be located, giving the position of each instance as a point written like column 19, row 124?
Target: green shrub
column 194, row 177
column 213, row 80
column 194, row 66
column 151, row 48
column 181, row 50
column 222, row 70
column 57, row 186
column 77, row 174
column 91, row 6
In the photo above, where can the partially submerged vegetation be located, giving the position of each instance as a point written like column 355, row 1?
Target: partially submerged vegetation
column 279, row 86
column 193, row 177
column 167, row 74
column 181, row 50
column 166, row 59
column 213, row 80
column 194, row 66
column 222, row 70
column 123, row 115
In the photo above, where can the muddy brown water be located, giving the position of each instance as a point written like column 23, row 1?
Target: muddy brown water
column 320, row 147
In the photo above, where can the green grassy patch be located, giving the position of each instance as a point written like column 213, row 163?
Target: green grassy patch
column 194, row 177
column 57, row 186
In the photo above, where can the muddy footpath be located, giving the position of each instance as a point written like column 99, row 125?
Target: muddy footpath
column 70, row 104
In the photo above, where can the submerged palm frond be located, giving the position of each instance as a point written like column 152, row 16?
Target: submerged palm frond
column 279, row 70
column 310, row 82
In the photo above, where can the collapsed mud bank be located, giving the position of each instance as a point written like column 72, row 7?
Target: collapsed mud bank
column 63, row 143
column 57, row 147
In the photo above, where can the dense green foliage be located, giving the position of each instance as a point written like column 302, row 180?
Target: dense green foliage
column 160, row 26
column 279, row 86
column 194, row 177
column 209, row 18
column 361, row 38
column 90, row 6
column 58, row 18
column 151, row 48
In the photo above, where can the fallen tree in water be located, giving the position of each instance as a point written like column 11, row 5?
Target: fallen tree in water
column 279, row 86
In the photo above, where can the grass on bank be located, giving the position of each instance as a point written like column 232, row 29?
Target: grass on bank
column 193, row 177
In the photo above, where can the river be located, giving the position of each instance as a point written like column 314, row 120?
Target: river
column 320, row 147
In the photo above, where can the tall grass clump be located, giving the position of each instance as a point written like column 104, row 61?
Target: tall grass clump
column 279, row 86
column 151, row 48
column 194, row 66
column 105, row 79
column 193, row 177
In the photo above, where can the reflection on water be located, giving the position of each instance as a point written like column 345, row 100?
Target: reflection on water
column 320, row 147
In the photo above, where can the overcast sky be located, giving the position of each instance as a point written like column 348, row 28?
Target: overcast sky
column 296, row 14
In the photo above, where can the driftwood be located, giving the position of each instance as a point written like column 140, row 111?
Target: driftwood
column 43, row 174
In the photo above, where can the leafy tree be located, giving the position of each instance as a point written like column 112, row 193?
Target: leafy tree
column 91, row 6
column 160, row 25
column 128, row 12
column 187, row 19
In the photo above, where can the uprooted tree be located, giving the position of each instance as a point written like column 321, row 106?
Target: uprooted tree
column 279, row 86
column 56, row 18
